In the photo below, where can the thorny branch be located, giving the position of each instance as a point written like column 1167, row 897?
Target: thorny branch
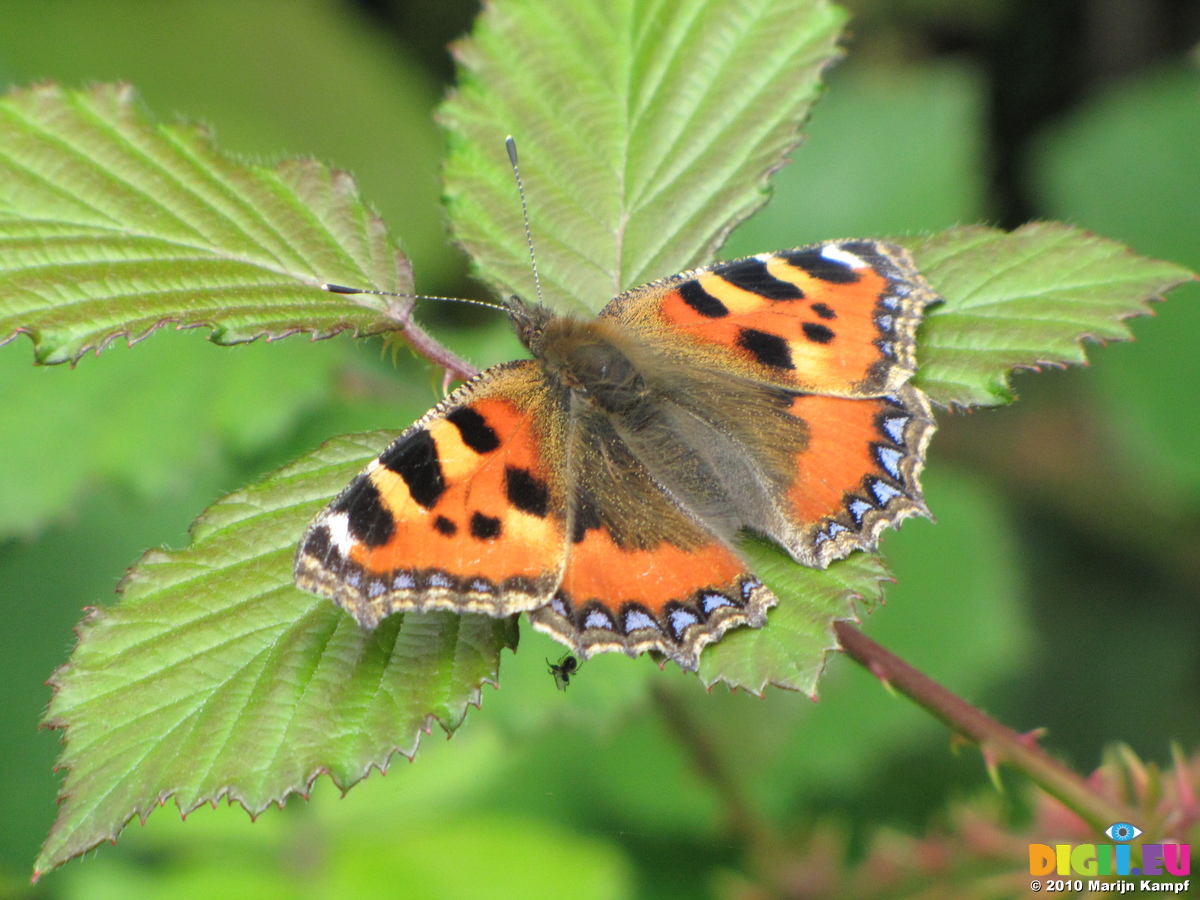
column 999, row 743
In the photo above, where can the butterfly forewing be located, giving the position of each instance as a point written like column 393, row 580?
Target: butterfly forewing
column 837, row 318
column 464, row 511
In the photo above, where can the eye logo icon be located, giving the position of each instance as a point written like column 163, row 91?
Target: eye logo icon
column 1123, row 831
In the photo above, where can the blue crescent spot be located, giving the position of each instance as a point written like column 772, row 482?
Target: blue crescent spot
column 681, row 620
column 597, row 619
column 894, row 426
column 859, row 508
column 884, row 492
column 890, row 458
column 711, row 601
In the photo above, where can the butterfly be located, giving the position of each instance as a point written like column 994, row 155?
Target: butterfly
column 600, row 487
column 563, row 670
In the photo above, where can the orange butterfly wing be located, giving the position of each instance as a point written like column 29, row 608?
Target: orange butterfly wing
column 837, row 318
column 464, row 511
column 859, row 473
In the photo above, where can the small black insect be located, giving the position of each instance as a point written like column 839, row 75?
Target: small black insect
column 563, row 670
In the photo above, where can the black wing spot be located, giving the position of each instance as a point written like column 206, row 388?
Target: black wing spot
column 415, row 459
column 702, row 301
column 823, row 311
column 369, row 520
column 818, row 333
column 475, row 431
column 444, row 526
column 818, row 266
column 769, row 349
column 752, row 275
column 526, row 492
column 866, row 251
column 484, row 528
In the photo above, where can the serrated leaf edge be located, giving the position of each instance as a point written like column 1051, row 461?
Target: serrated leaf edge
column 95, row 615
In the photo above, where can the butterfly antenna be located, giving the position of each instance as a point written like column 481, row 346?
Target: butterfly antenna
column 511, row 146
column 342, row 289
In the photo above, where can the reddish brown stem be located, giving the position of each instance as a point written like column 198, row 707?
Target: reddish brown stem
column 999, row 743
column 426, row 346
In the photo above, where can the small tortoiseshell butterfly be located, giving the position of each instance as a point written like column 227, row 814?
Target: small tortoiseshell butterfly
column 600, row 486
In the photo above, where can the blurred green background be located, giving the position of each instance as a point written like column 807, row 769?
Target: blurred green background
column 1059, row 587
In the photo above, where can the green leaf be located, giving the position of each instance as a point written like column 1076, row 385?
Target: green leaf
column 646, row 132
column 215, row 677
column 846, row 182
column 111, row 226
column 1097, row 167
column 790, row 651
column 1024, row 299
column 645, row 136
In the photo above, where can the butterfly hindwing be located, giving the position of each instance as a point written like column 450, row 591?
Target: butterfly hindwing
column 666, row 598
column 858, row 473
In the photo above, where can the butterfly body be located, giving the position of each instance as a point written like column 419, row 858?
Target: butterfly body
column 600, row 486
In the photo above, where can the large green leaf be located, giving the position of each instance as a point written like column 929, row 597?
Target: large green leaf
column 216, row 677
column 111, row 226
column 647, row 130
column 1024, row 299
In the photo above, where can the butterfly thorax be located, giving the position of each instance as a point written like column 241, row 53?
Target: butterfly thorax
column 594, row 359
